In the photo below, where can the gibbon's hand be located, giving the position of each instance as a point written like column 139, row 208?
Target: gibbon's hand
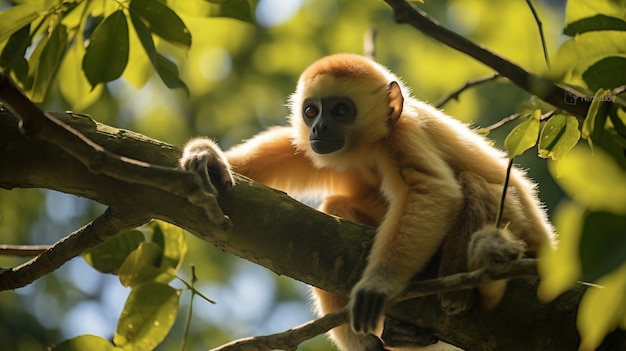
column 367, row 309
column 204, row 157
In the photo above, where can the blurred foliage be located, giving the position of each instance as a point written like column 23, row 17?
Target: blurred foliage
column 232, row 65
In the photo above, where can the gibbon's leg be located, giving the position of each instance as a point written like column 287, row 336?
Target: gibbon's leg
column 474, row 242
column 325, row 302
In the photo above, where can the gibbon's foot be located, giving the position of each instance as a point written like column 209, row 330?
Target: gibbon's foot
column 402, row 334
column 458, row 302
column 491, row 245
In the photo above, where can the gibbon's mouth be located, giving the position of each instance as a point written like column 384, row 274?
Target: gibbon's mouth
column 326, row 146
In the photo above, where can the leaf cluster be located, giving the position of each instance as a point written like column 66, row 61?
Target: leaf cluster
column 145, row 261
column 96, row 36
column 592, row 226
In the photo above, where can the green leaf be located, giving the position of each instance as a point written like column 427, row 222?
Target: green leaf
column 74, row 85
column 594, row 180
column 523, row 137
column 107, row 54
column 148, row 316
column 14, row 18
column 583, row 16
column 607, row 73
column 141, row 265
column 162, row 21
column 109, row 256
column 601, row 309
column 13, row 55
column 85, row 342
column 576, row 55
column 242, row 10
column 167, row 70
column 557, row 277
column 49, row 62
column 559, row 135
column 593, row 125
column 172, row 242
column 602, row 244
column 237, row 9
column 594, row 23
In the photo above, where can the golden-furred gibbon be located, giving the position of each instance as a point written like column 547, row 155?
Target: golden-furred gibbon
column 381, row 157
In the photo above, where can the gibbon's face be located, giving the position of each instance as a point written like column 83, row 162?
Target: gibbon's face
column 327, row 119
column 341, row 108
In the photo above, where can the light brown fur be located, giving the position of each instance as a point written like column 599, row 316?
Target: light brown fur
column 401, row 169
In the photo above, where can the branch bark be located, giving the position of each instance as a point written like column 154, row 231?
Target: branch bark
column 38, row 124
column 283, row 235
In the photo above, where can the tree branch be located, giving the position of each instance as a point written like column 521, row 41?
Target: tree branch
column 462, row 281
column 546, row 90
column 103, row 228
column 22, row 250
column 290, row 339
column 285, row 236
column 38, row 124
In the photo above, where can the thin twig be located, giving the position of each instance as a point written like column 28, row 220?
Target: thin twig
column 505, row 187
column 512, row 118
column 36, row 123
column 194, row 278
column 540, row 28
column 469, row 84
column 22, row 250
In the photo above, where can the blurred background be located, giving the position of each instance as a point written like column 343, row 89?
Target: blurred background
column 239, row 77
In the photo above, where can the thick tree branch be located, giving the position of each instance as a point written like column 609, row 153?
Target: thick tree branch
column 546, row 90
column 38, row 124
column 283, row 235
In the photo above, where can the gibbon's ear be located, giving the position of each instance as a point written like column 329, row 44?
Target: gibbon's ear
column 396, row 101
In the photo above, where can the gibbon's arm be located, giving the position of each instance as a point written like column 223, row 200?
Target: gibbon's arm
column 424, row 198
column 271, row 159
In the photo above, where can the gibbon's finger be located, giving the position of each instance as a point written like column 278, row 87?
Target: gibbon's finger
column 366, row 311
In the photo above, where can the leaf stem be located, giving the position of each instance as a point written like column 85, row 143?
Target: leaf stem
column 505, row 186
column 194, row 290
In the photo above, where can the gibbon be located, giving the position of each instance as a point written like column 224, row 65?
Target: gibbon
column 379, row 156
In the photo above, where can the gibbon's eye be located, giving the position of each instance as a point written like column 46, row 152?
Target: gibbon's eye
column 311, row 111
column 340, row 109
